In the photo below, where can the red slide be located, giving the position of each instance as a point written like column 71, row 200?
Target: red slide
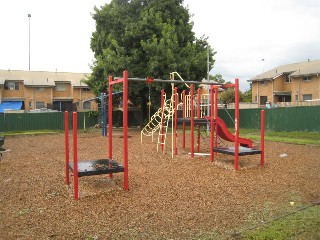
column 225, row 134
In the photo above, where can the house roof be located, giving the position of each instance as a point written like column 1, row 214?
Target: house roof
column 42, row 78
column 293, row 70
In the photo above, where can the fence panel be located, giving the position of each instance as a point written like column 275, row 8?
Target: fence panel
column 33, row 121
column 10, row 122
column 42, row 121
column 2, row 126
column 277, row 119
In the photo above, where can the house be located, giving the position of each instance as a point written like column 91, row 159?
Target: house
column 31, row 90
column 288, row 85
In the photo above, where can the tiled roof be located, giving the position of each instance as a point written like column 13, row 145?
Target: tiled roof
column 293, row 70
column 42, row 78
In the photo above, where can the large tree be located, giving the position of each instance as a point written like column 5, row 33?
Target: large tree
column 147, row 38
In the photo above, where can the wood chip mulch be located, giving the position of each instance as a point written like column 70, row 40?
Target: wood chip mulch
column 169, row 198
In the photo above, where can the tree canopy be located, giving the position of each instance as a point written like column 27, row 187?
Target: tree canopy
column 147, row 38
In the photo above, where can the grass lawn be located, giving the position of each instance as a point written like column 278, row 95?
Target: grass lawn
column 301, row 224
column 309, row 138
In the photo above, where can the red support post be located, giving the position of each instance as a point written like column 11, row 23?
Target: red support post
column 125, row 131
column 236, row 125
column 66, row 135
column 110, row 103
column 192, row 120
column 75, row 154
column 262, row 126
column 198, row 116
column 183, row 116
column 175, row 120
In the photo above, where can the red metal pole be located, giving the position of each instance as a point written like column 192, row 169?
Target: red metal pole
column 262, row 137
column 175, row 120
column 110, row 103
column 66, row 135
column 183, row 116
column 236, row 125
column 198, row 116
column 75, row 154
column 125, row 131
column 212, row 122
column 162, row 114
column 192, row 120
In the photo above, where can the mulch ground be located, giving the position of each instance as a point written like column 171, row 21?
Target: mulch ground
column 169, row 198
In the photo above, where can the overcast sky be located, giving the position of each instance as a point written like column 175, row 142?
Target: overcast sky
column 242, row 32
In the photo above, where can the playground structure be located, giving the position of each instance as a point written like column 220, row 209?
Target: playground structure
column 194, row 110
column 167, row 112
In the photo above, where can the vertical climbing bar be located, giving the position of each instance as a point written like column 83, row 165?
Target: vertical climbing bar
column 66, row 135
column 192, row 120
column 262, row 126
column 162, row 115
column 184, row 116
column 103, row 114
column 198, row 116
column 175, row 120
column 215, row 95
column 75, row 154
column 236, row 125
column 212, row 122
column 125, row 130
column 110, row 103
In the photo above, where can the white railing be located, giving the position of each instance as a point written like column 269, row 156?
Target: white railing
column 315, row 102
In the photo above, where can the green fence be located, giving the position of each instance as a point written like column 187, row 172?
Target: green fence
column 277, row 119
column 42, row 121
column 55, row 120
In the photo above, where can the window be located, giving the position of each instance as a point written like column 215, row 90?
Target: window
column 39, row 89
column 263, row 100
column 87, row 106
column 60, row 87
column 306, row 97
column 11, row 85
column 40, row 105
column 263, row 82
column 307, row 78
column 288, row 79
column 85, row 89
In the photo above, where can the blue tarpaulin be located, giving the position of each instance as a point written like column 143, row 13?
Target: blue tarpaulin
column 12, row 105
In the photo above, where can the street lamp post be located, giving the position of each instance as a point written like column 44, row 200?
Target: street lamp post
column 29, row 16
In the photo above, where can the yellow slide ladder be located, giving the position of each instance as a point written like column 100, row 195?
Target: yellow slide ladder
column 167, row 114
column 155, row 122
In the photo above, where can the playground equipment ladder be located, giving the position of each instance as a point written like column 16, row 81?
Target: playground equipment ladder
column 154, row 123
column 166, row 114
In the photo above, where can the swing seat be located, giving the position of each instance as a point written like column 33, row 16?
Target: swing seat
column 97, row 167
column 243, row 151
